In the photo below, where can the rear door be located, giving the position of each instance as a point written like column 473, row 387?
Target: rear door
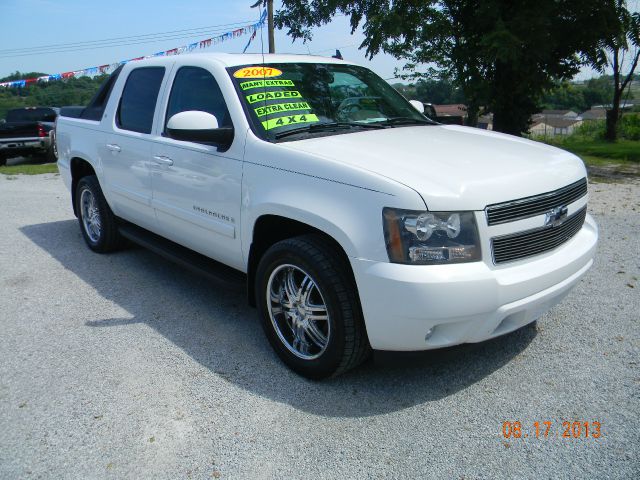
column 196, row 187
column 127, row 152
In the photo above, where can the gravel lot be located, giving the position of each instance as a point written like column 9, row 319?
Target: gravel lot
column 126, row 366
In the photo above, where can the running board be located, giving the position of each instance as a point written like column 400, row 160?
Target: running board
column 221, row 274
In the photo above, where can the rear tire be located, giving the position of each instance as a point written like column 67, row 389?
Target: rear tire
column 97, row 222
column 309, row 307
column 50, row 155
column 3, row 161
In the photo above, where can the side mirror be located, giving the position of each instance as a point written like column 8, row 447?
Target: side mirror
column 430, row 111
column 417, row 105
column 199, row 127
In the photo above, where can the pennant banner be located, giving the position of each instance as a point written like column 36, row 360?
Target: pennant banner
column 108, row 68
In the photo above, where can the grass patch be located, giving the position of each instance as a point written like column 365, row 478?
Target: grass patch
column 597, row 161
column 29, row 169
column 587, row 141
column 606, row 162
column 599, row 151
column 622, row 151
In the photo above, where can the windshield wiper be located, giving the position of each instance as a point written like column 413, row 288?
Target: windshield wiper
column 328, row 127
column 405, row 121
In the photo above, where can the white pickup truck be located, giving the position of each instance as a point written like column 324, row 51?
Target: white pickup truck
column 355, row 222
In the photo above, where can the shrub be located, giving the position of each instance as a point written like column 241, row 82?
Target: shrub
column 589, row 130
column 629, row 127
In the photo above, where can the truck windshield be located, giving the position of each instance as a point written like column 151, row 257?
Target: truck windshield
column 31, row 115
column 294, row 100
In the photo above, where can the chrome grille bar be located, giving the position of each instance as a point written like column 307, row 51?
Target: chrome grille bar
column 516, row 246
column 535, row 205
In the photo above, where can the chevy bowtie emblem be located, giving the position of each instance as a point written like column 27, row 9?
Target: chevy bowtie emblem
column 556, row 216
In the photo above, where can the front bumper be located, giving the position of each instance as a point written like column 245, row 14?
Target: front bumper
column 411, row 307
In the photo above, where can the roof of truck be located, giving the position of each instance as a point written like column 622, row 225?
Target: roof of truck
column 235, row 59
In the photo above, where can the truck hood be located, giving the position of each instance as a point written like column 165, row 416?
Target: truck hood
column 452, row 167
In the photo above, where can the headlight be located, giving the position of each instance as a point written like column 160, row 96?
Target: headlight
column 428, row 238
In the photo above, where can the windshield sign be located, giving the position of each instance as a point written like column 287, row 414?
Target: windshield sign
column 294, row 99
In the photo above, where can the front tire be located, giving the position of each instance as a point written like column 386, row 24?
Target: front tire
column 3, row 161
column 309, row 307
column 97, row 222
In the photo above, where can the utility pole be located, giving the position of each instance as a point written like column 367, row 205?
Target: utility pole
column 272, row 40
column 270, row 26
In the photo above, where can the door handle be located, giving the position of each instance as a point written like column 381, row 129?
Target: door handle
column 162, row 160
column 113, row 147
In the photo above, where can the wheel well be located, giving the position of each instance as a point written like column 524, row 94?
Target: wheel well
column 271, row 229
column 79, row 168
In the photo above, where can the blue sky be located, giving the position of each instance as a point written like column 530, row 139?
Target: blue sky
column 33, row 23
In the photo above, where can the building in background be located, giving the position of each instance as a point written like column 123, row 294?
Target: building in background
column 553, row 126
column 594, row 114
column 559, row 113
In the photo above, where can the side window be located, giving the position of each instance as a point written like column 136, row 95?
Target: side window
column 138, row 101
column 195, row 88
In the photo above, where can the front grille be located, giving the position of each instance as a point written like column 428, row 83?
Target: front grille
column 531, row 206
column 515, row 246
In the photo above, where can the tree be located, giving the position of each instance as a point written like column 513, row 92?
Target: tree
column 407, row 90
column 420, row 32
column 596, row 91
column 429, row 90
column 565, row 96
column 21, row 76
column 441, row 91
column 502, row 54
column 621, row 50
column 533, row 44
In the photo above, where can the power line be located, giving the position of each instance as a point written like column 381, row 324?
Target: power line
column 172, row 34
column 128, row 37
column 118, row 44
column 122, row 41
column 91, row 48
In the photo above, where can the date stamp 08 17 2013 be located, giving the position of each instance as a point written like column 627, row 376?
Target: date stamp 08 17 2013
column 552, row 430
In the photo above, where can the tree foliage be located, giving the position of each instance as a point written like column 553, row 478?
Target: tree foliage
column 596, row 91
column 561, row 96
column 502, row 54
column 569, row 96
column 21, row 76
column 620, row 51
column 439, row 91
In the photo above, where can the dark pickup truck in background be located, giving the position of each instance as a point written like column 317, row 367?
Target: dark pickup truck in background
column 28, row 131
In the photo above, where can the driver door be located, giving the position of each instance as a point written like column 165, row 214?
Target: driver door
column 196, row 187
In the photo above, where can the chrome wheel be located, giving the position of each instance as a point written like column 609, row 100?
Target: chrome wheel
column 54, row 146
column 91, row 220
column 298, row 312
